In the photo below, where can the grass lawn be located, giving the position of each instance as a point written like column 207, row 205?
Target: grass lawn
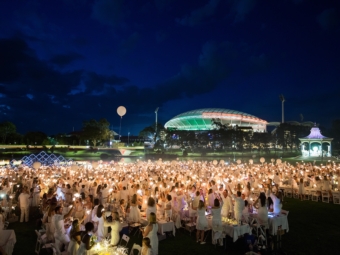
column 314, row 229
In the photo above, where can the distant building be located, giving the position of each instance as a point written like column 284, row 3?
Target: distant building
column 312, row 145
column 202, row 120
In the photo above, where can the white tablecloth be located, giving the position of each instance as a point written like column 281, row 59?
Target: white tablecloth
column 234, row 231
column 7, row 240
column 275, row 221
column 163, row 226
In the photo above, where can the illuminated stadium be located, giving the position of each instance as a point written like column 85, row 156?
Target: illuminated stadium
column 201, row 119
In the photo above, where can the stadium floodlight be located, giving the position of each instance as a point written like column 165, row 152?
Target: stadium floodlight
column 282, row 98
column 156, row 112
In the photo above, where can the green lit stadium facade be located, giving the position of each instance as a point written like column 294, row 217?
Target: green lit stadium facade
column 201, row 119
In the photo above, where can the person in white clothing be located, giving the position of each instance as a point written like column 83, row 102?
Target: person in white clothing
column 239, row 205
column 60, row 234
column 24, row 203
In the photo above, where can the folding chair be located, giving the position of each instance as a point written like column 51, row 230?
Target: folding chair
column 305, row 196
column 41, row 243
column 325, row 196
column 288, row 193
column 315, row 196
column 126, row 239
column 135, row 227
column 336, row 199
column 209, row 231
column 135, row 247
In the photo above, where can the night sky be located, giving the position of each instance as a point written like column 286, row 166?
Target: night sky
column 63, row 62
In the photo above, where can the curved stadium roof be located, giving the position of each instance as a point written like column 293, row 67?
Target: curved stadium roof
column 201, row 119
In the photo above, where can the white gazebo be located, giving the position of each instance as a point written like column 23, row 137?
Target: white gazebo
column 315, row 140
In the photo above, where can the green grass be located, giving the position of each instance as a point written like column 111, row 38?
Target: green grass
column 314, row 229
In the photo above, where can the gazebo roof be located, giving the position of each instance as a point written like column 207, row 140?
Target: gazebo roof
column 315, row 134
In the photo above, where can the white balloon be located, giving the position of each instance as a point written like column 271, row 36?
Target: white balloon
column 36, row 165
column 121, row 110
column 262, row 159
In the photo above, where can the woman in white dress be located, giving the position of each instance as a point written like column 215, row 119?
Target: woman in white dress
column 79, row 211
column 74, row 240
column 161, row 205
column 262, row 210
column 301, row 189
column 85, row 236
column 168, row 207
column 100, row 218
column 201, row 222
column 150, row 231
column 49, row 223
column 2, row 219
column 151, row 207
column 217, row 222
column 134, row 215
column 146, row 246
column 115, row 228
column 36, row 194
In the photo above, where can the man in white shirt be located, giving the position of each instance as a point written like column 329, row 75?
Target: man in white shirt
column 105, row 194
column 60, row 234
column 24, row 202
column 239, row 205
column 124, row 194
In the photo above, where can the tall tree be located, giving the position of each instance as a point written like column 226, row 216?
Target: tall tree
column 6, row 128
column 35, row 138
column 96, row 130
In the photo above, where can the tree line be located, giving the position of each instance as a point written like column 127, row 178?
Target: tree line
column 93, row 132
column 226, row 138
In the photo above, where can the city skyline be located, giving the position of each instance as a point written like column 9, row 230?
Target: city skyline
column 67, row 62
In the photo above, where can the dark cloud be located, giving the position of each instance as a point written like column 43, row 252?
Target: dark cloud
column 129, row 44
column 257, row 64
column 109, row 12
column 241, row 8
column 329, row 19
column 199, row 15
column 65, row 59
column 164, row 5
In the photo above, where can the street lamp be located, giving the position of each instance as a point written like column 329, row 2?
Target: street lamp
column 156, row 112
column 128, row 138
column 282, row 98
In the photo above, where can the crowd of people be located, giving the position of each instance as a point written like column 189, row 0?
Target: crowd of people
column 80, row 202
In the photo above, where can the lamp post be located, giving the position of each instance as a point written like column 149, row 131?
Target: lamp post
column 282, row 98
column 156, row 112
column 128, row 139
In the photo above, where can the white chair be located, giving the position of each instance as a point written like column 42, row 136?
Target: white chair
column 135, row 247
column 305, row 196
column 41, row 243
column 336, row 199
column 288, row 193
column 325, row 196
column 126, row 239
column 315, row 196
column 56, row 253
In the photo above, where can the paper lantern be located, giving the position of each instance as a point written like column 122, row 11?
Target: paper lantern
column 262, row 160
